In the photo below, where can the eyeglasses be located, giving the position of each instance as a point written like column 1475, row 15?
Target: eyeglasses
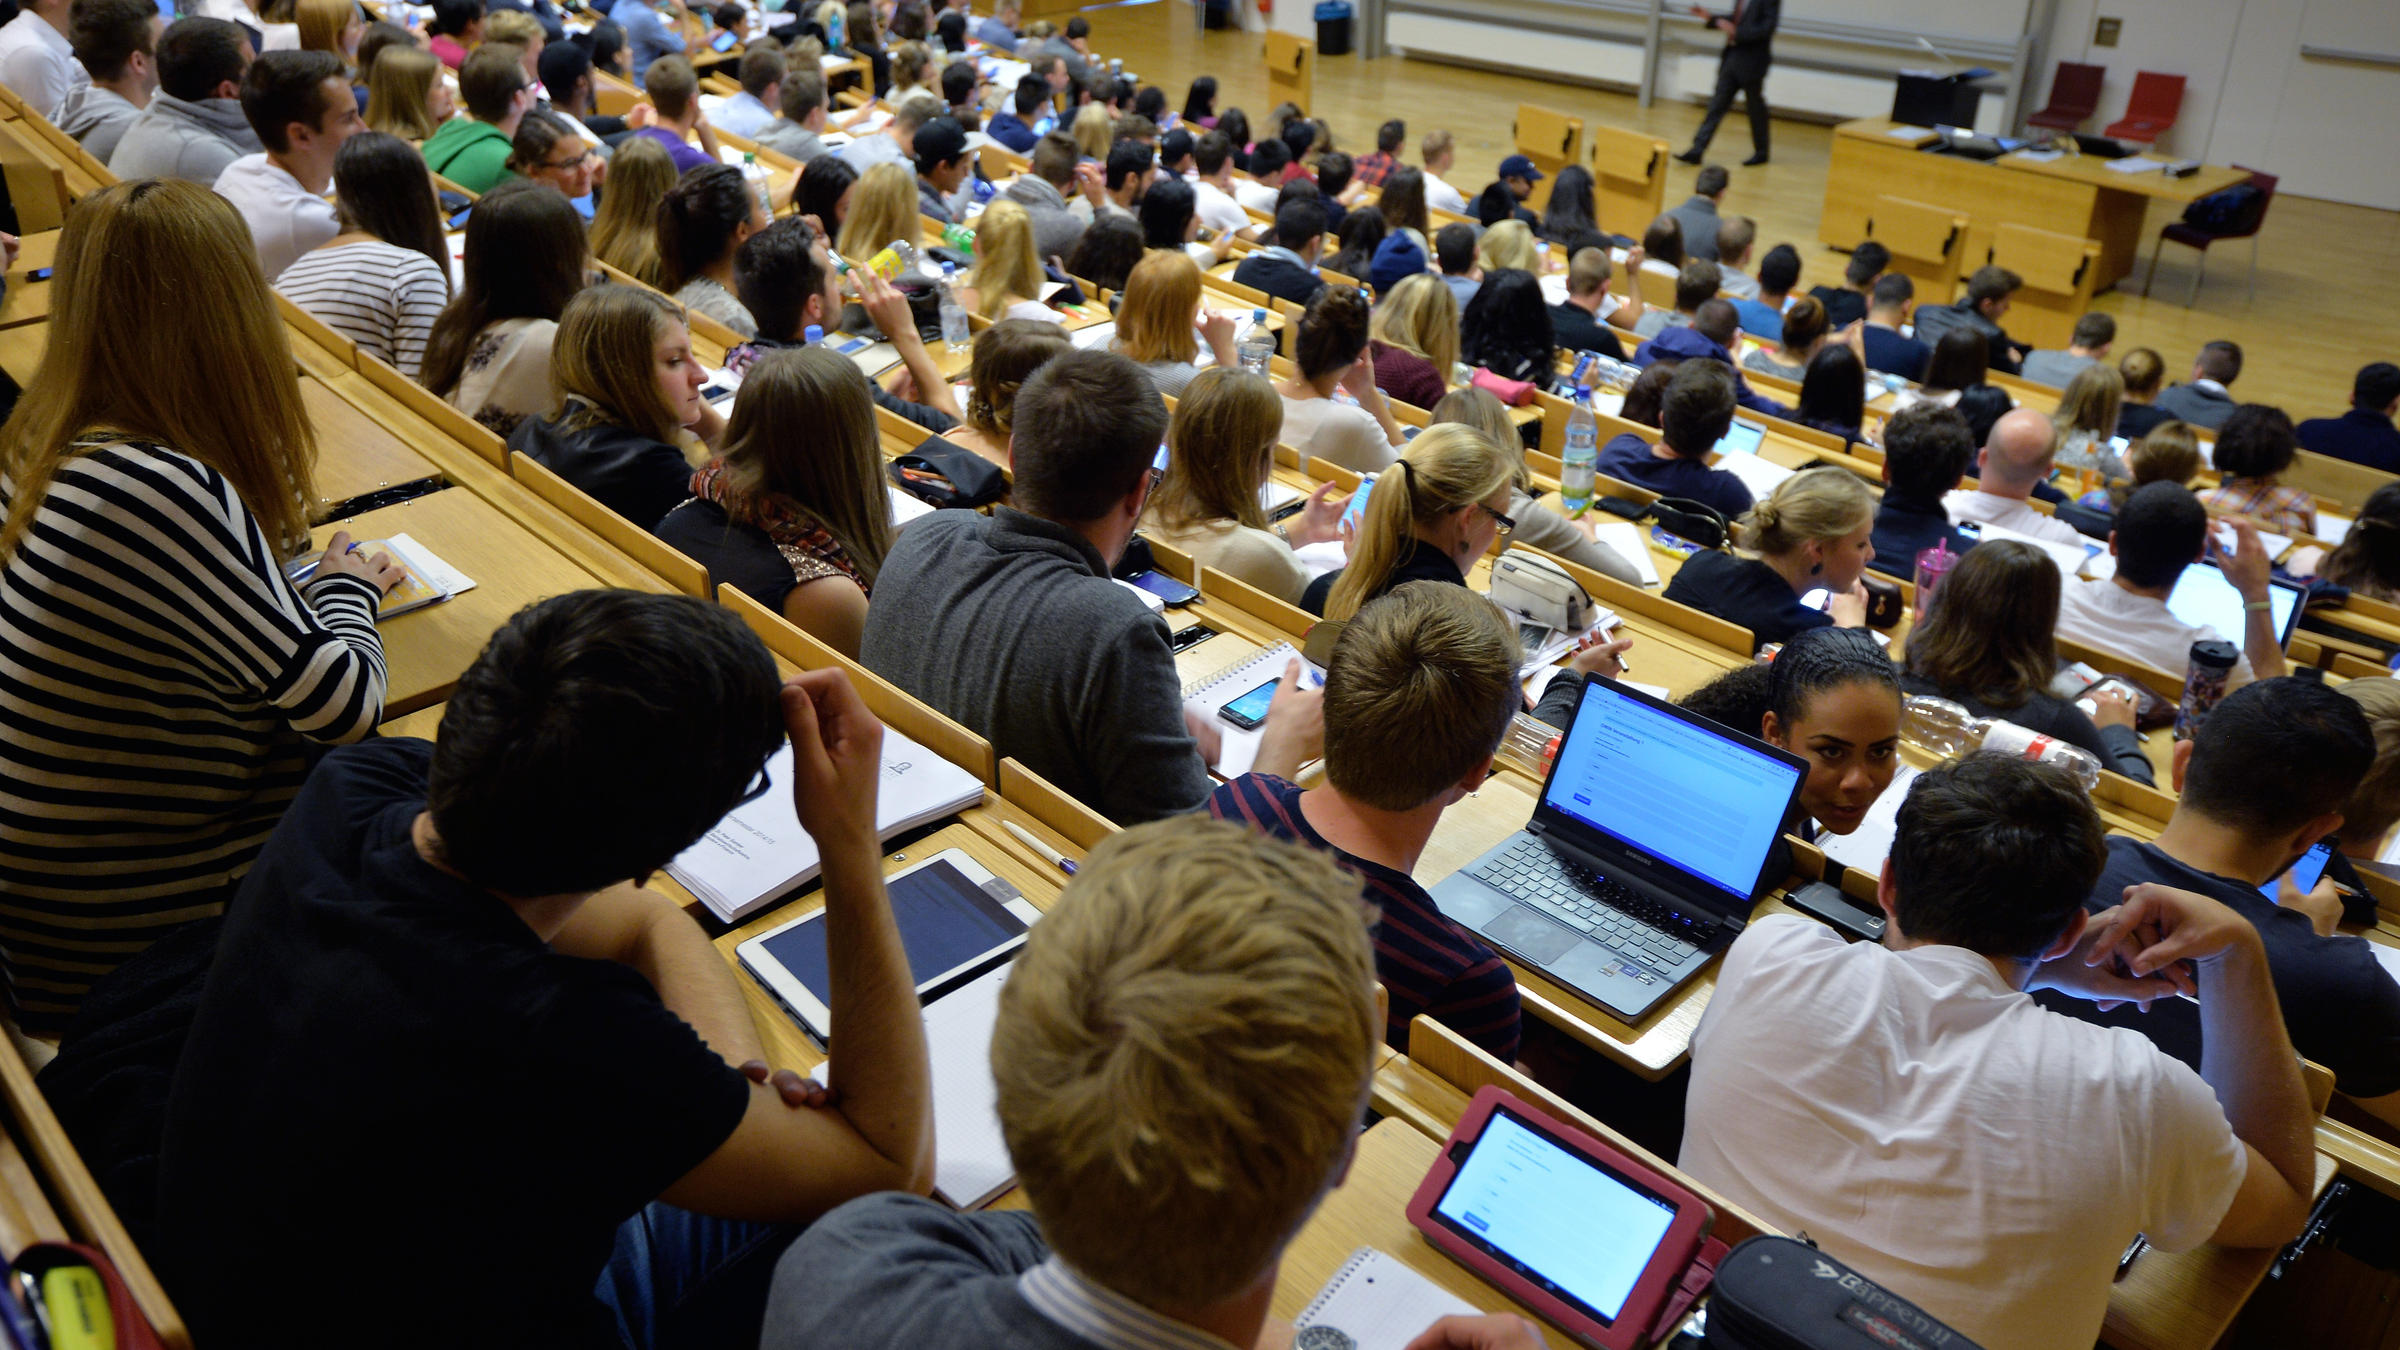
column 576, row 163
column 1507, row 525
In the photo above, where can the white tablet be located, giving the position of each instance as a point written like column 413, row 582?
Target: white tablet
column 956, row 921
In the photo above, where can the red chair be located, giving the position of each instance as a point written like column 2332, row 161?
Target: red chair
column 2191, row 236
column 2074, row 97
column 2152, row 109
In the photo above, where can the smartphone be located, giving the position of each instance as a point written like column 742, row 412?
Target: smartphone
column 1249, row 712
column 725, row 40
column 1165, row 587
column 38, row 274
column 2305, row 873
column 1189, row 636
column 459, row 221
column 1355, row 514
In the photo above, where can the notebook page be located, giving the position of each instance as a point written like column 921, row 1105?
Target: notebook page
column 971, row 1163
column 1624, row 538
column 1379, row 1303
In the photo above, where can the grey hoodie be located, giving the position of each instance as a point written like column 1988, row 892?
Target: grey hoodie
column 1055, row 229
column 100, row 121
column 174, row 138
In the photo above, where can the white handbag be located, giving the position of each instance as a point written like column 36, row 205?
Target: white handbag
column 1526, row 583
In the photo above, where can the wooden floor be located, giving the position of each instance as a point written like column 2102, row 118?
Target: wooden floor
column 2329, row 275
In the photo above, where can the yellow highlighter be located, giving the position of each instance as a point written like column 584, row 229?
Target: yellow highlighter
column 77, row 1300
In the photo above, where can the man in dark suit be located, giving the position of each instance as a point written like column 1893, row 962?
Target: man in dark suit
column 2206, row 400
column 1575, row 321
column 1287, row 270
column 1749, row 49
column 2365, row 434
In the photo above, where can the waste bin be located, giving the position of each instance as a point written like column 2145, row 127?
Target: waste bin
column 1333, row 28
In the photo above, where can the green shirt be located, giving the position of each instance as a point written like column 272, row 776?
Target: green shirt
column 472, row 154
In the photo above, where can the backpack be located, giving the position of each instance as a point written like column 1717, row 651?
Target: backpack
column 2228, row 210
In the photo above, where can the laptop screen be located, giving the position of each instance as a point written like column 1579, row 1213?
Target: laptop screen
column 1672, row 785
column 1742, row 438
column 2203, row 595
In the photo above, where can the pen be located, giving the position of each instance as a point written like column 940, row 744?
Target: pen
column 1024, row 836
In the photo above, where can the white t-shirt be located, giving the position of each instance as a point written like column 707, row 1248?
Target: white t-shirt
column 1443, row 197
column 1255, row 195
column 286, row 219
column 1955, row 1141
column 1216, row 210
column 2009, row 513
column 2105, row 615
column 1333, row 430
column 39, row 67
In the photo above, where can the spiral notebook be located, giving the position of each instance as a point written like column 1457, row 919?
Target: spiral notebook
column 1379, row 1303
column 1239, row 748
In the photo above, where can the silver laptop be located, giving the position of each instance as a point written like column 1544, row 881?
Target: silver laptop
column 1646, row 852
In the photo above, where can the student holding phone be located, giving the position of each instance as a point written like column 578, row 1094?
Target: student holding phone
column 2261, row 784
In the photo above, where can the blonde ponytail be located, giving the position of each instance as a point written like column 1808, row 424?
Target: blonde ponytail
column 1816, row 504
column 1444, row 469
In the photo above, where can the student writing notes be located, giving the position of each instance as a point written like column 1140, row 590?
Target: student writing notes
column 1181, row 1054
column 1911, row 1108
column 973, row 614
column 517, row 1058
column 159, row 676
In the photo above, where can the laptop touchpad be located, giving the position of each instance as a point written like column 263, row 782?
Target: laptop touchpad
column 1531, row 935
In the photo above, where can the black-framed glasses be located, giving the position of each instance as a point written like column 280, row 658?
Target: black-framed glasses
column 1507, row 524
column 569, row 165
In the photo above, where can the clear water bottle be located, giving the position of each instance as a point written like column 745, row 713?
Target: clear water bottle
column 1948, row 729
column 761, row 186
column 1257, row 345
column 1579, row 461
column 955, row 330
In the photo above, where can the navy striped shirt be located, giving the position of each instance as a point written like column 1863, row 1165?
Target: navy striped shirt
column 159, row 682
column 1427, row 963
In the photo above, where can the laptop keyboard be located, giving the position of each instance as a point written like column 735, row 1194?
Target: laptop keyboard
column 1594, row 905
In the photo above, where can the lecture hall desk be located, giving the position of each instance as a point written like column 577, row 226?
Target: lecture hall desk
column 2077, row 194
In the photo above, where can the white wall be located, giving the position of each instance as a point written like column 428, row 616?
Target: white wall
column 2250, row 97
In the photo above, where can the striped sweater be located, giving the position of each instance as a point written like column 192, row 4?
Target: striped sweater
column 159, row 682
column 1427, row 963
column 381, row 296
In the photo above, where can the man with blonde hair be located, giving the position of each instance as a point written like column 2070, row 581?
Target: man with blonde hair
column 1439, row 151
column 1182, row 1056
column 1420, row 688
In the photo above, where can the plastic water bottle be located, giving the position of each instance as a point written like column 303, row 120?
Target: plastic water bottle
column 761, row 187
column 1947, row 729
column 955, row 334
column 1257, row 344
column 959, row 237
column 1579, row 462
column 896, row 259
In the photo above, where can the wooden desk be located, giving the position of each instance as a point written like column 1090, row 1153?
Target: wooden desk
column 28, row 301
column 354, row 454
column 1370, row 1209
column 2076, row 195
column 426, row 650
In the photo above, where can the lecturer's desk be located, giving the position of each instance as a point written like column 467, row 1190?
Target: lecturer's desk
column 2077, row 194
column 426, row 650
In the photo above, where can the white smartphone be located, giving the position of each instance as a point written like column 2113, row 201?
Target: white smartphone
column 956, row 919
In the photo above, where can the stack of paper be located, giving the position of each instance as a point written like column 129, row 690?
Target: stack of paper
column 2135, row 164
column 759, row 853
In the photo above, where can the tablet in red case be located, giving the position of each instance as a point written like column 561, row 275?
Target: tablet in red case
column 1573, row 1228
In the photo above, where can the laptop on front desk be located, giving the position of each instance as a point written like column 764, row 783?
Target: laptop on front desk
column 1647, row 849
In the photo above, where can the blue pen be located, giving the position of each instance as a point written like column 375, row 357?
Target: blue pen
column 1024, row 836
